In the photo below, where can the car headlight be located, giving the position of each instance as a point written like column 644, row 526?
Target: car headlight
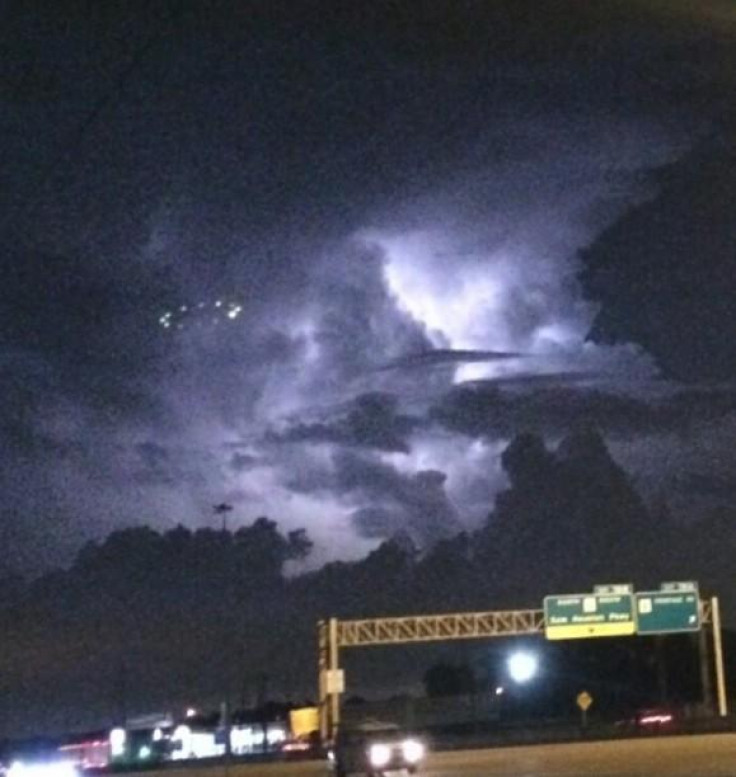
column 379, row 755
column 413, row 750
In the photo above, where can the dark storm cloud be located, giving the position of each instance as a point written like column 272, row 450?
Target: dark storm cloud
column 78, row 359
column 718, row 487
column 373, row 421
column 485, row 410
column 378, row 522
column 156, row 465
column 359, row 324
column 440, row 357
column 84, row 318
column 153, row 456
column 383, row 499
column 532, row 380
column 663, row 272
column 415, row 503
column 242, row 461
column 246, row 157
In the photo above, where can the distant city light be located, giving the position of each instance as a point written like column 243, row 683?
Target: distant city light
column 275, row 735
column 46, row 769
column 522, row 666
column 118, row 738
column 183, row 736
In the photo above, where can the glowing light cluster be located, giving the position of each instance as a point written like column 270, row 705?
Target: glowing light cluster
column 201, row 314
column 190, row 743
column 118, row 742
column 46, row 769
column 244, row 739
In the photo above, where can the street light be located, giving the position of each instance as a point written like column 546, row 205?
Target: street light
column 522, row 666
column 222, row 510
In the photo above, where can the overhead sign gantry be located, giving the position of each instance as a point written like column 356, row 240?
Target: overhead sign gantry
column 608, row 611
column 334, row 634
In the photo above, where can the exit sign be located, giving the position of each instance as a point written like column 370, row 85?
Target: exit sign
column 581, row 616
column 667, row 611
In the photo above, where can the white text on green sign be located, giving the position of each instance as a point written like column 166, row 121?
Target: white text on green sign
column 580, row 616
column 667, row 612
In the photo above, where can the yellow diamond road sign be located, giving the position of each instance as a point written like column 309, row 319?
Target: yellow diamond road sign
column 584, row 701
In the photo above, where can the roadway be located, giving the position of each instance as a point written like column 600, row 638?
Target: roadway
column 687, row 756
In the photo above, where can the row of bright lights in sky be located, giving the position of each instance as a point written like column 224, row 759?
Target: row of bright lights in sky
column 174, row 318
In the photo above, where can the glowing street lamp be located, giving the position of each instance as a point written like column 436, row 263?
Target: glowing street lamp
column 522, row 667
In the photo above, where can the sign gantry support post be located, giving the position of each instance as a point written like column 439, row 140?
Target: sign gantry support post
column 334, row 665
column 330, row 678
column 322, row 663
column 715, row 610
column 704, row 654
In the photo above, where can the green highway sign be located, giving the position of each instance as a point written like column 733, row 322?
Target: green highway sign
column 580, row 616
column 667, row 611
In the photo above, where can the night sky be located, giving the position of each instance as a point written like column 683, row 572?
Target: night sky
column 323, row 260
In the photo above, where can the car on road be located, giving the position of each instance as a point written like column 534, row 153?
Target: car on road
column 649, row 720
column 376, row 749
column 654, row 718
column 302, row 748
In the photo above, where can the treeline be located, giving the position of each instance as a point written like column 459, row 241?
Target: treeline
column 570, row 518
column 198, row 611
